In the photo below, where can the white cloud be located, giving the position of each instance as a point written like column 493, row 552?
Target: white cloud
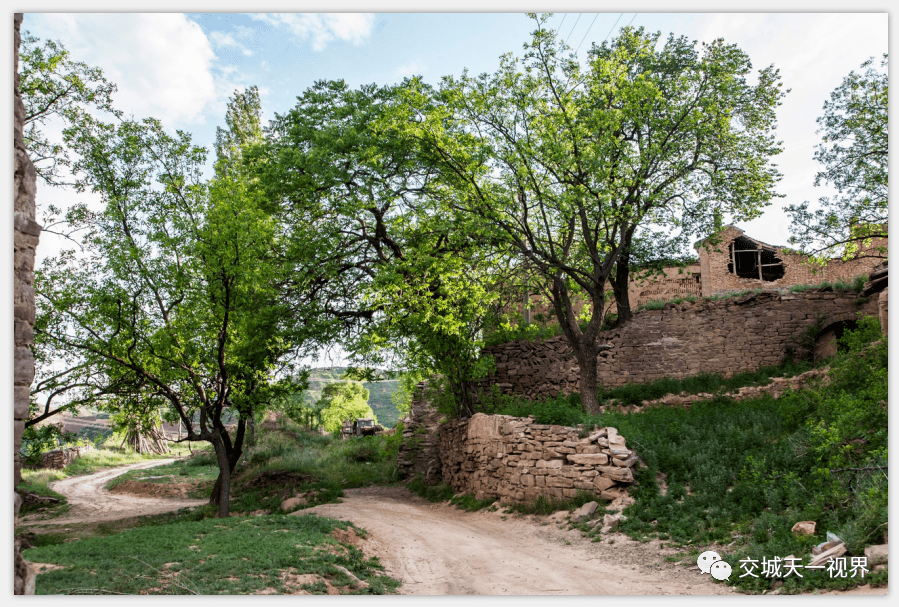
column 162, row 63
column 408, row 70
column 223, row 40
column 322, row 28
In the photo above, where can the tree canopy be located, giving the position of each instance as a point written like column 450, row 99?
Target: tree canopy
column 176, row 298
column 854, row 151
column 343, row 400
column 571, row 162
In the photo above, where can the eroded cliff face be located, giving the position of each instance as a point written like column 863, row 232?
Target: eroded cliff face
column 26, row 236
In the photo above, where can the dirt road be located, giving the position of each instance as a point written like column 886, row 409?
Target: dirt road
column 91, row 503
column 438, row 549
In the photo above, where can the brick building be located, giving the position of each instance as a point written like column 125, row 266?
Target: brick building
column 736, row 263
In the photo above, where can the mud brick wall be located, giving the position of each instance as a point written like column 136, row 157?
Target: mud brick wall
column 515, row 460
column 721, row 336
column 26, row 232
column 717, row 279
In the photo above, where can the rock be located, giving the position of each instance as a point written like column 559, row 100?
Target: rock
column 611, row 521
column 804, row 528
column 584, row 512
column 822, row 559
column 589, row 459
column 602, row 483
column 877, row 554
column 293, row 502
column 816, row 550
column 620, row 503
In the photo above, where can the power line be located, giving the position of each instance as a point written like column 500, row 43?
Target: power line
column 613, row 27
column 632, row 19
column 575, row 24
column 561, row 22
column 585, row 35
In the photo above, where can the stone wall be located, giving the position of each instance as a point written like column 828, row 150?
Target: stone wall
column 516, row 460
column 419, row 451
column 722, row 336
column 25, row 240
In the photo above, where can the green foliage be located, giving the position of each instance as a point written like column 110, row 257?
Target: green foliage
column 471, row 503
column 855, row 153
column 566, row 189
column 54, row 86
column 341, row 401
column 543, row 505
column 741, row 473
column 39, row 439
column 439, row 492
column 231, row 556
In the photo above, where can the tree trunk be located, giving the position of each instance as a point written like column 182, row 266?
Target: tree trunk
column 587, row 362
column 620, row 282
column 221, row 492
column 232, row 456
column 582, row 342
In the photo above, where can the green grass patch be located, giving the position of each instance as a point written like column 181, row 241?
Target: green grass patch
column 201, row 469
column 289, row 460
column 544, row 505
column 212, row 556
column 471, row 503
column 441, row 492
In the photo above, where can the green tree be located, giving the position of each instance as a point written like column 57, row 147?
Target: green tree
column 854, row 150
column 569, row 162
column 340, row 401
column 176, row 293
column 54, row 86
column 403, row 274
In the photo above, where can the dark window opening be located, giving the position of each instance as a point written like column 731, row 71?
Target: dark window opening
column 748, row 260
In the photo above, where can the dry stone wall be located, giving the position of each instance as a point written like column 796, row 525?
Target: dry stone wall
column 419, row 451
column 516, row 460
column 722, row 336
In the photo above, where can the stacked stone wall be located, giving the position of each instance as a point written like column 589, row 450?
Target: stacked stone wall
column 514, row 459
column 419, row 452
column 721, row 336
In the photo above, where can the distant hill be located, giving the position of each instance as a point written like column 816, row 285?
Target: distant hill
column 379, row 393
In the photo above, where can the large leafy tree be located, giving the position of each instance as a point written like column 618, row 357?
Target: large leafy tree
column 341, row 401
column 56, row 87
column 391, row 256
column 176, row 297
column 570, row 162
column 854, row 150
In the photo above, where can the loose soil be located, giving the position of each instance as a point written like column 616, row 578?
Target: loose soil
column 90, row 503
column 438, row 549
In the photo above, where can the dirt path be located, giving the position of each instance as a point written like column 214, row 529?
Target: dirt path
column 437, row 549
column 91, row 503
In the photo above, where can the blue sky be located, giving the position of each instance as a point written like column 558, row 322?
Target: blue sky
column 182, row 67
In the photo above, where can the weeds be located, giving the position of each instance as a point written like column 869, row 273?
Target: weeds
column 213, row 556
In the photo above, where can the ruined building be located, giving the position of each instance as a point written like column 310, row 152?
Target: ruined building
column 736, row 263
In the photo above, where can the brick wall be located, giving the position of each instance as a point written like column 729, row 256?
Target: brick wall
column 514, row 459
column 723, row 336
column 718, row 279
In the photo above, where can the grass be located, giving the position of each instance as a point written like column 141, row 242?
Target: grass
column 443, row 492
column 566, row 410
column 200, row 469
column 548, row 505
column 290, row 460
column 212, row 556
